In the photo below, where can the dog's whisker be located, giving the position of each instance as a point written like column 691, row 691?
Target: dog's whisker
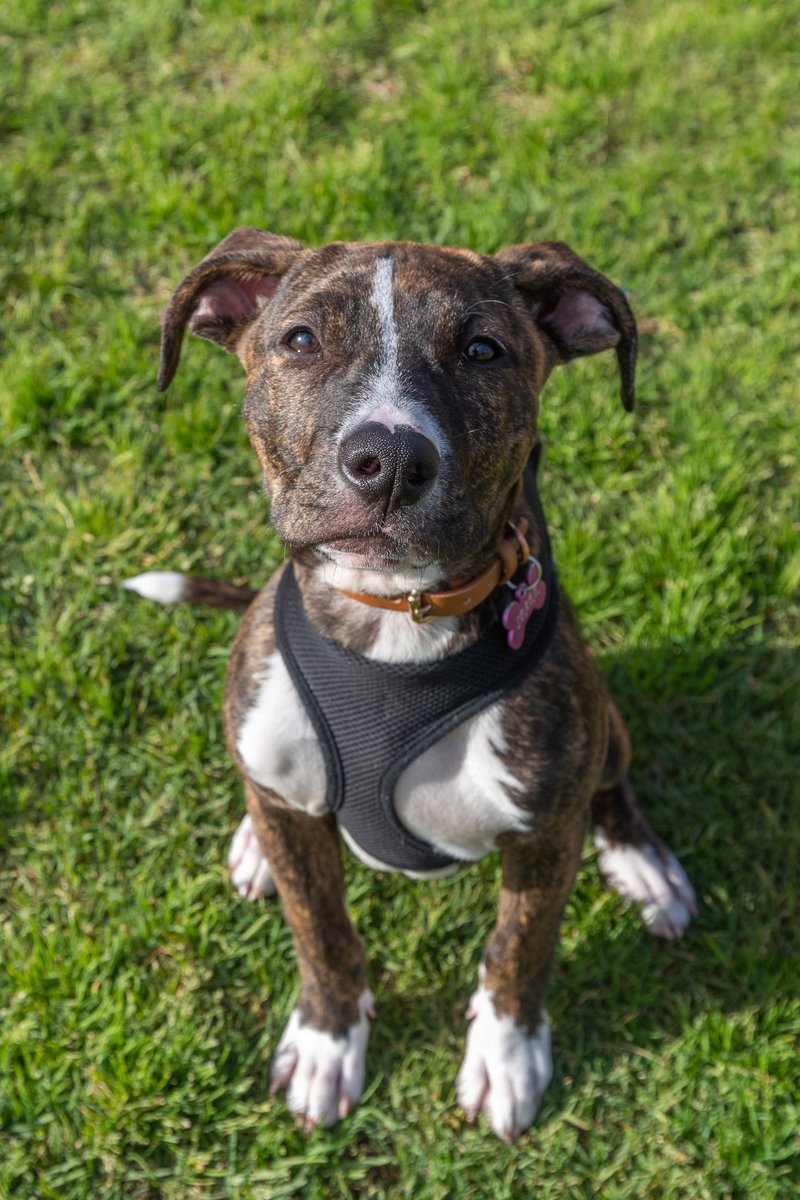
column 473, row 313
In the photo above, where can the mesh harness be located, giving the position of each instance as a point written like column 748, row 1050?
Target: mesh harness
column 373, row 719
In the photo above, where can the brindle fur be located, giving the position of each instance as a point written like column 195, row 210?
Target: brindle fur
column 567, row 743
column 305, row 860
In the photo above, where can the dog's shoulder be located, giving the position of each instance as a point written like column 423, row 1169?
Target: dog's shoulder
column 254, row 643
column 555, row 725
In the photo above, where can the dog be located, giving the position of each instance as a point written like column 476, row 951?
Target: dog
column 391, row 399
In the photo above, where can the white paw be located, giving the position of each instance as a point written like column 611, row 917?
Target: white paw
column 325, row 1074
column 249, row 870
column 505, row 1069
column 659, row 885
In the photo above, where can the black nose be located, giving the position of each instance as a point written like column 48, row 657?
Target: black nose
column 398, row 465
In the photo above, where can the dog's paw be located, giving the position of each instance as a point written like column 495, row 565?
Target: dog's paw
column 505, row 1069
column 654, row 880
column 249, row 870
column 323, row 1075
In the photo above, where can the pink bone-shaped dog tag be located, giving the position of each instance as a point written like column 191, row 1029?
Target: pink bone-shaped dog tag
column 528, row 597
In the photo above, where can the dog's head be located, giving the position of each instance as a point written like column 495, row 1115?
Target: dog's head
column 392, row 388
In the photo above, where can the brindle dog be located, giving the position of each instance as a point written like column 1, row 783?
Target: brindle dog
column 446, row 351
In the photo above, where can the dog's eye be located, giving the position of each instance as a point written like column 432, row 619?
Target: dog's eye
column 303, row 341
column 482, row 350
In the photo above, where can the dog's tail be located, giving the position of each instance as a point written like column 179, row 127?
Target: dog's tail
column 170, row 587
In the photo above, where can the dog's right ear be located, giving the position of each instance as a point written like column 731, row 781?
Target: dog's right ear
column 223, row 294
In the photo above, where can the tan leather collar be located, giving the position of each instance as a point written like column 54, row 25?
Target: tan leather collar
column 512, row 552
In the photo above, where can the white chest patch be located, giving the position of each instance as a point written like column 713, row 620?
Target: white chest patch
column 278, row 745
column 385, row 396
column 458, row 795
column 401, row 641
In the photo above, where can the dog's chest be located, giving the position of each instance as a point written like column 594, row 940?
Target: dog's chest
column 458, row 795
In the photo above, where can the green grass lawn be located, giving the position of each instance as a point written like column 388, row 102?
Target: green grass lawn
column 139, row 997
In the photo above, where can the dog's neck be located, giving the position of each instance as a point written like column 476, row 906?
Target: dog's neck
column 393, row 636
column 377, row 633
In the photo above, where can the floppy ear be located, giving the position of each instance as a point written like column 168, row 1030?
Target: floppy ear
column 579, row 310
column 224, row 293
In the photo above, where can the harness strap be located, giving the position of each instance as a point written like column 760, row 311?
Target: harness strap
column 373, row 719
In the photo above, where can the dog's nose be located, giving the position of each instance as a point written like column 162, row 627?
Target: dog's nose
column 398, row 465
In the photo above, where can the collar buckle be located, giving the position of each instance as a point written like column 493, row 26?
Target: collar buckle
column 419, row 612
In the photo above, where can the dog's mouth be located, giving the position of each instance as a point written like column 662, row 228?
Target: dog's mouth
column 371, row 549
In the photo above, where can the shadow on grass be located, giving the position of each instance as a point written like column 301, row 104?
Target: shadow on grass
column 713, row 733
column 713, row 766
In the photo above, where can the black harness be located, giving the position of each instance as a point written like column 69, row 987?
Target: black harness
column 374, row 718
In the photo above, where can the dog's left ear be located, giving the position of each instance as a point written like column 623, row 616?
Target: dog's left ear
column 579, row 310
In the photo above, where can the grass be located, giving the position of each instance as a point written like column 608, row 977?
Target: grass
column 140, row 999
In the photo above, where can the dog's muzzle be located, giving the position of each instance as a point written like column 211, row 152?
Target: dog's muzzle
column 397, row 466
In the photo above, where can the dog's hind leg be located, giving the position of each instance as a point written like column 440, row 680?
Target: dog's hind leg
column 632, row 858
column 248, row 868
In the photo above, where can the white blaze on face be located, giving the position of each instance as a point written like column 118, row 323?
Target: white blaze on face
column 385, row 386
column 386, row 394
column 382, row 296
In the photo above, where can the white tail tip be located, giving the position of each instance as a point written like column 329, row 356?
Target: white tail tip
column 167, row 587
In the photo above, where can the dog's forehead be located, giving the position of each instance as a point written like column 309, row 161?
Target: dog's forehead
column 372, row 271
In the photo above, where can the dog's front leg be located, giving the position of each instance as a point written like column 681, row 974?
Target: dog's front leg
column 320, row 1058
column 508, row 1063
